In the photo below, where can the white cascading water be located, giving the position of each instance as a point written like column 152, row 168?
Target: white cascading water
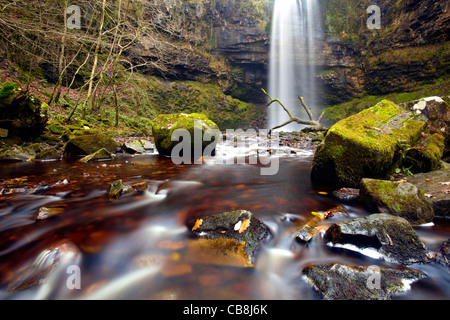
column 294, row 53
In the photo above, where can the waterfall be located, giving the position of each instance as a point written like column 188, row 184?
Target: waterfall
column 294, row 54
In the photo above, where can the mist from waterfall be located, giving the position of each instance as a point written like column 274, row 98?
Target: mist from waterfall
column 294, row 54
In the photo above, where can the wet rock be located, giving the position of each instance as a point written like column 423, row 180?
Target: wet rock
column 347, row 194
column 308, row 230
column 306, row 233
column 348, row 282
column 101, row 154
column 240, row 226
column 138, row 146
column 49, row 154
column 397, row 198
column 390, row 236
column 118, row 189
column 45, row 213
column 436, row 188
column 165, row 124
column 18, row 154
column 365, row 145
column 443, row 256
column 90, row 143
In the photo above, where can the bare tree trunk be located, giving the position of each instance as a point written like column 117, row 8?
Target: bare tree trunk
column 94, row 67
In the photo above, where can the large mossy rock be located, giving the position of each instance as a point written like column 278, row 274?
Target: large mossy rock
column 20, row 113
column 165, row 125
column 390, row 236
column 366, row 144
column 401, row 199
column 90, row 143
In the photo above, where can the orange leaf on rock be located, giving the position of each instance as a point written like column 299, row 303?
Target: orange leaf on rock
column 197, row 225
column 245, row 224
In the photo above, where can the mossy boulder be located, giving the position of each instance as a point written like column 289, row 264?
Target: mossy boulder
column 20, row 112
column 165, row 125
column 90, row 143
column 48, row 154
column 401, row 199
column 390, row 236
column 366, row 144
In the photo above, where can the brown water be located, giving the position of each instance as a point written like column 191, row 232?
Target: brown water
column 138, row 247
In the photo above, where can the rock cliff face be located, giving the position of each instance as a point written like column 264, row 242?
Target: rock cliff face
column 410, row 49
column 227, row 41
column 220, row 40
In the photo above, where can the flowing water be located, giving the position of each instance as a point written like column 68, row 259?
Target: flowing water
column 294, row 59
column 138, row 247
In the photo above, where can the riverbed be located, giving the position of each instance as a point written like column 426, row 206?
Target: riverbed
column 61, row 237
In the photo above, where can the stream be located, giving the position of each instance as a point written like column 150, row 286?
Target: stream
column 138, row 247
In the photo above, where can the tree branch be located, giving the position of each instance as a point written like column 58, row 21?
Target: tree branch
column 310, row 122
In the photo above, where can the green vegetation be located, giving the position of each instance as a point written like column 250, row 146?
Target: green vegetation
column 439, row 87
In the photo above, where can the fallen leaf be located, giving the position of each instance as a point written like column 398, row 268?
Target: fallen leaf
column 322, row 193
column 197, row 225
column 245, row 224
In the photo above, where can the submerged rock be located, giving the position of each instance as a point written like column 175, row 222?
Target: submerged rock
column 365, row 144
column 397, row 198
column 118, row 189
column 165, row 125
column 390, row 236
column 346, row 282
column 90, row 143
column 241, row 227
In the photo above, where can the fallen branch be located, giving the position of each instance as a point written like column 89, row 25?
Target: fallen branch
column 310, row 122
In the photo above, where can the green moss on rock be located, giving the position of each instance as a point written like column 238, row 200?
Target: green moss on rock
column 90, row 143
column 365, row 144
column 401, row 199
column 166, row 124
